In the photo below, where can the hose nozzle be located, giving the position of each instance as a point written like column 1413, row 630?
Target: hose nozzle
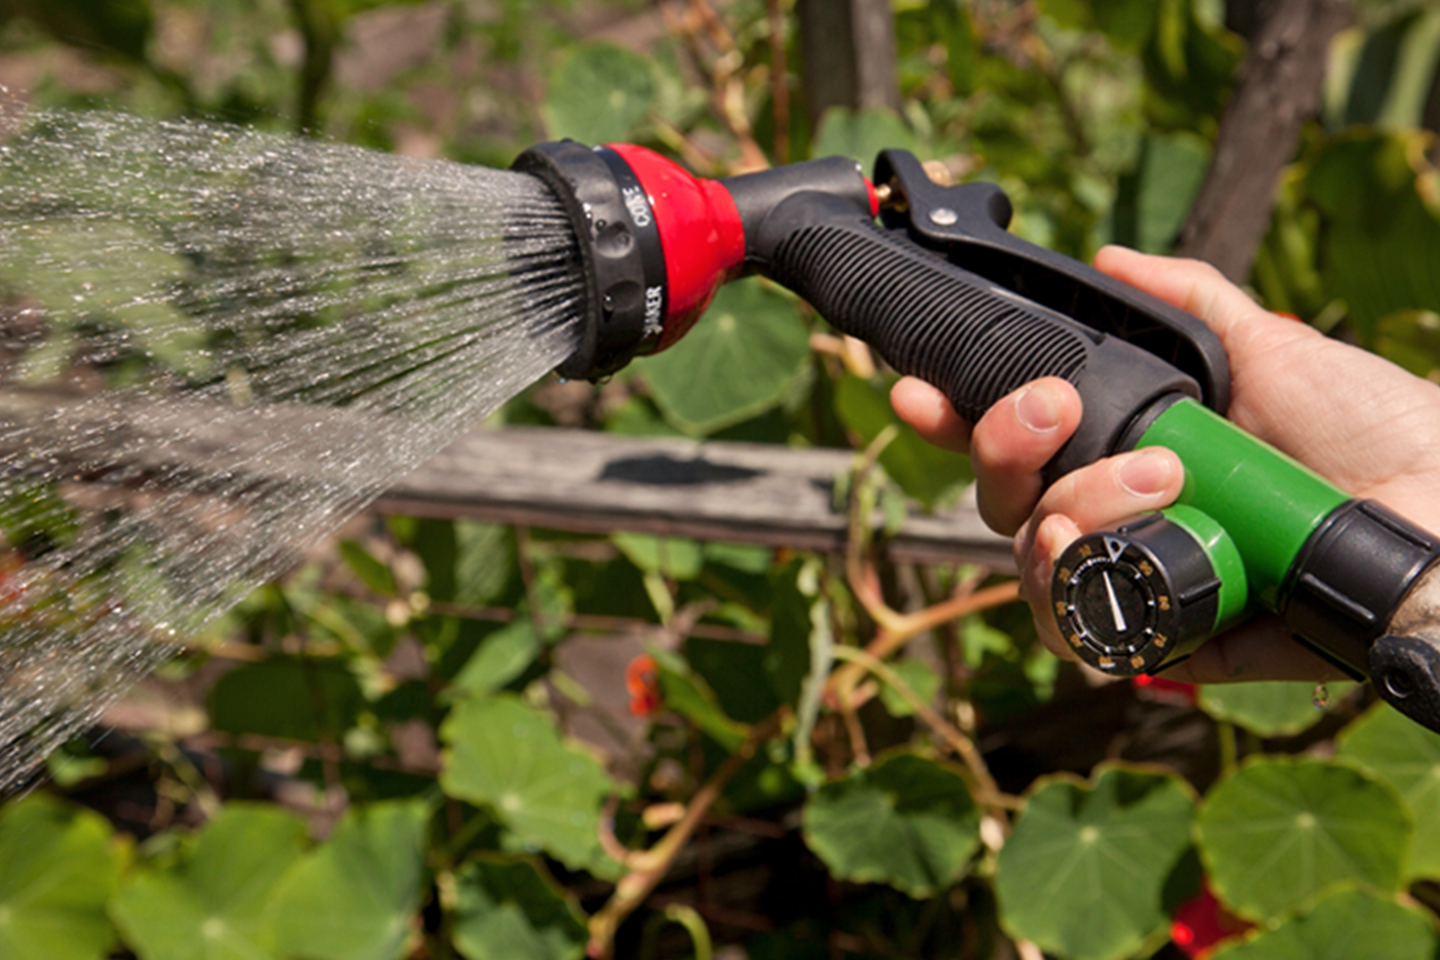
column 655, row 242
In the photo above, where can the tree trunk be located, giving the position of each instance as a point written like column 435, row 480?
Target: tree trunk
column 1278, row 89
column 849, row 51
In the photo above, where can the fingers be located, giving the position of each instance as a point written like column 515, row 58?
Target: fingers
column 1097, row 497
column 1011, row 444
column 927, row 410
column 1196, row 287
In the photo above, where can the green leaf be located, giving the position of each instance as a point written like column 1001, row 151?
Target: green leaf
column 213, row 902
column 486, row 562
column 1153, row 201
column 509, row 908
column 508, row 755
column 918, row 676
column 731, row 668
column 685, row 692
column 503, row 656
column 293, row 698
column 1278, row 832
column 923, row 470
column 372, row 572
column 1269, row 709
column 673, row 557
column 1407, row 756
column 1084, row 872
column 598, row 94
column 1378, row 229
column 1127, row 23
column 861, row 135
column 1411, row 338
column 354, row 897
column 786, row 662
column 740, row 360
column 1345, row 926
column 907, row 821
column 57, row 870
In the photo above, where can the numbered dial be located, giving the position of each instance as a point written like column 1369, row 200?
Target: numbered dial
column 1136, row 599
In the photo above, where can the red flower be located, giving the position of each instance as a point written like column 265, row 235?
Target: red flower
column 642, row 682
column 1203, row 923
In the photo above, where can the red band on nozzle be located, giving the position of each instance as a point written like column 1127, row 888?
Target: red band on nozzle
column 700, row 232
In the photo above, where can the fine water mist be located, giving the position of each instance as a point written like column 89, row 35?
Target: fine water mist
column 215, row 345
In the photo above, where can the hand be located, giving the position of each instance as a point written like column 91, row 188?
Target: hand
column 1362, row 422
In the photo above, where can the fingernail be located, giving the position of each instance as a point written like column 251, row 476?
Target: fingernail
column 1039, row 408
column 1147, row 473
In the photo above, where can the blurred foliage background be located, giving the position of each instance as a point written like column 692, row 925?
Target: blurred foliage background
column 447, row 739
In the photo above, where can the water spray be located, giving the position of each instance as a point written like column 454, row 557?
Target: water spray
column 942, row 290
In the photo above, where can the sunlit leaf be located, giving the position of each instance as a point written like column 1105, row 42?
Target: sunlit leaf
column 1270, row 709
column 1280, row 831
column 1345, row 926
column 598, row 94
column 213, row 902
column 1407, row 756
column 907, row 821
column 861, row 135
column 917, row 675
column 1084, row 873
column 372, row 572
column 353, row 897
column 508, row 909
column 675, row 557
column 738, row 361
column 508, row 755
column 1153, row 200
column 503, row 656
column 57, row 870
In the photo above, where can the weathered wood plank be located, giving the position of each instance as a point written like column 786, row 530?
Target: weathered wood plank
column 597, row 483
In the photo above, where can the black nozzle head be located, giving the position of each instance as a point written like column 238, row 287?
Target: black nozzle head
column 620, row 255
column 1406, row 672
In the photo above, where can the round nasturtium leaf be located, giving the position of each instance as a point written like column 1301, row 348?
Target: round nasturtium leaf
column 507, row 755
column 907, row 821
column 507, row 908
column 1407, row 756
column 1344, row 926
column 57, row 870
column 354, row 897
column 213, row 902
column 1083, row 875
column 1279, row 831
column 740, row 360
column 1269, row 709
column 598, row 94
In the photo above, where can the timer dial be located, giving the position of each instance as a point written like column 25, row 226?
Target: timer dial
column 1135, row 599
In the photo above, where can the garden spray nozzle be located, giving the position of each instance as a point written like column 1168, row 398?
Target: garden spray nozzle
column 656, row 242
column 941, row 290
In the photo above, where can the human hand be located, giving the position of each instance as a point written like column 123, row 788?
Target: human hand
column 1365, row 424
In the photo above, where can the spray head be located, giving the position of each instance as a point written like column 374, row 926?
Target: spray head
column 655, row 242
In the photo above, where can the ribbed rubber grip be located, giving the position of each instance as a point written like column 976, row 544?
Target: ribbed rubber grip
column 972, row 339
column 927, row 318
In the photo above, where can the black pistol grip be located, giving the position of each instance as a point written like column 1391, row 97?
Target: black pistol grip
column 971, row 338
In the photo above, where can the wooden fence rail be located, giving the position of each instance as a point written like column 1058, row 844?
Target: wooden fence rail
column 597, row 483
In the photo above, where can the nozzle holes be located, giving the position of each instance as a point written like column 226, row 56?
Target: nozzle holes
column 1398, row 683
column 615, row 241
column 625, row 296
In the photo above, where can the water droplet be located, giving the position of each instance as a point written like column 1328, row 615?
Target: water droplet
column 1321, row 696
